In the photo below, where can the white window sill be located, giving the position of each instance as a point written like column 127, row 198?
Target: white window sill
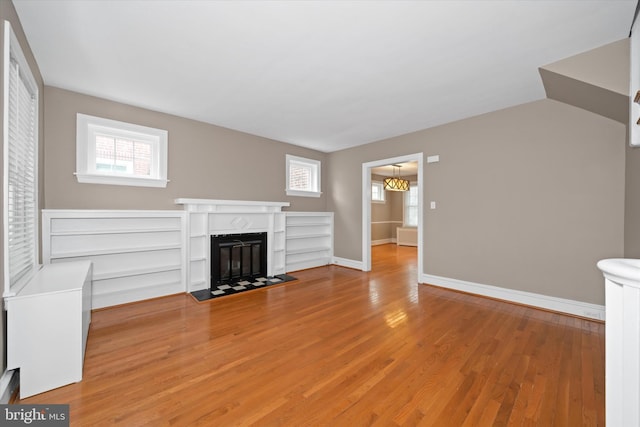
column 121, row 180
column 303, row 193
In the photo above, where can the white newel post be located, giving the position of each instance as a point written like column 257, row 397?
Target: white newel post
column 206, row 217
column 622, row 353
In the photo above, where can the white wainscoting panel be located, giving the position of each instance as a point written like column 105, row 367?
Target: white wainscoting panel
column 407, row 236
column 136, row 254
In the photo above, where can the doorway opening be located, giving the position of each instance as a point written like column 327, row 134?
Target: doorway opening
column 367, row 170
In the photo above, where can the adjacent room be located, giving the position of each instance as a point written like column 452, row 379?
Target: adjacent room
column 321, row 212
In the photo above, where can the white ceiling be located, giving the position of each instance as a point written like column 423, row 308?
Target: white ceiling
column 320, row 74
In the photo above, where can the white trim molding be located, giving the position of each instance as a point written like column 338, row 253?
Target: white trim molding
column 314, row 167
column 345, row 262
column 366, row 206
column 382, row 241
column 88, row 128
column 576, row 308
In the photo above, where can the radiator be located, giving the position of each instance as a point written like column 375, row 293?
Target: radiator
column 407, row 236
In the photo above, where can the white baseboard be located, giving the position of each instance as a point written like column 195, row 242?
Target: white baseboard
column 344, row 262
column 9, row 382
column 576, row 308
column 382, row 241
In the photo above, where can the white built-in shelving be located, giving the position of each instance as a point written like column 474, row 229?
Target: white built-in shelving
column 198, row 249
column 135, row 254
column 138, row 254
column 279, row 243
column 309, row 240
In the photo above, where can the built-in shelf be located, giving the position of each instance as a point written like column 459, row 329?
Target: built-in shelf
column 319, row 249
column 99, row 232
column 308, row 236
column 120, row 250
column 135, row 254
column 136, row 272
column 309, row 240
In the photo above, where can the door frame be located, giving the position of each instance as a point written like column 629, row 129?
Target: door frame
column 366, row 205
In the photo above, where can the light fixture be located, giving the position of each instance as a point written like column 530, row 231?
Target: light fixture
column 396, row 183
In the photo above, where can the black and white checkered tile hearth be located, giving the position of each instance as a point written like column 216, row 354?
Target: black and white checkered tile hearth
column 240, row 286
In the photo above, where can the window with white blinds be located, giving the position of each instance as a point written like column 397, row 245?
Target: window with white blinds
column 20, row 167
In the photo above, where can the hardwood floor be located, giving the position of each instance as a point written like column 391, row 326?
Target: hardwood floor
column 339, row 347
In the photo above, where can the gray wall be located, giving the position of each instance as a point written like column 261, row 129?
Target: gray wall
column 205, row 161
column 8, row 12
column 529, row 198
column 596, row 80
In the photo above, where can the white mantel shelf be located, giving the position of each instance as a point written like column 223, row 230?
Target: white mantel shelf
column 236, row 206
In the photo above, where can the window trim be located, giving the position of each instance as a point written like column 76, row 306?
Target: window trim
column 316, row 165
column 382, row 191
column 12, row 48
column 87, row 125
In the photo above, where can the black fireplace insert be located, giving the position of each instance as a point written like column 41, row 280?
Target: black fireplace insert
column 237, row 257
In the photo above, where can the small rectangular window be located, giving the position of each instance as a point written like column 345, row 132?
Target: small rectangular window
column 303, row 177
column 113, row 152
column 377, row 192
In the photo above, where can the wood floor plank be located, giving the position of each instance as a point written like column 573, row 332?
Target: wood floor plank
column 338, row 347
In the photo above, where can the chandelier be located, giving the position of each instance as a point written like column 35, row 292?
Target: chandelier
column 396, row 183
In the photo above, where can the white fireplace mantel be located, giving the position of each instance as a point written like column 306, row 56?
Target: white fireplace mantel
column 207, row 217
column 237, row 206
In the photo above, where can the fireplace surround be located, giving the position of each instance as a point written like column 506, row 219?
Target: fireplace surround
column 208, row 217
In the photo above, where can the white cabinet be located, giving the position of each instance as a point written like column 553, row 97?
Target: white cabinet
column 136, row 255
column 309, row 240
column 47, row 326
